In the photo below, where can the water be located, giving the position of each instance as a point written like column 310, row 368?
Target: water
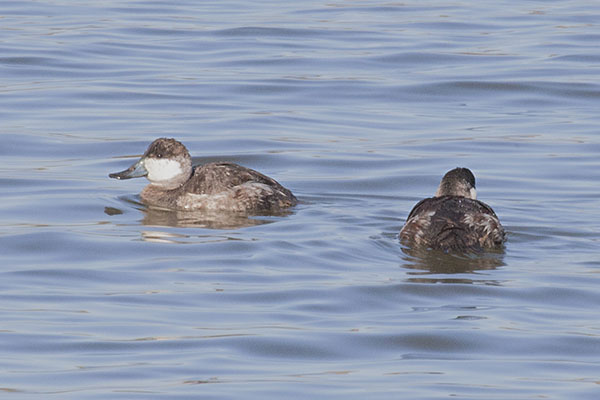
column 357, row 107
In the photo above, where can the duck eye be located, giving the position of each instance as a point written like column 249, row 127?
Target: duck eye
column 159, row 155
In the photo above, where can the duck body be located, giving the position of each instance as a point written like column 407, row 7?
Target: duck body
column 453, row 223
column 217, row 187
column 222, row 186
column 454, row 220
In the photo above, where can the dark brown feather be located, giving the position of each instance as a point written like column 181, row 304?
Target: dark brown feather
column 453, row 223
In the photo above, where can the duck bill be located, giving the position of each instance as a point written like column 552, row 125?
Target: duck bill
column 137, row 170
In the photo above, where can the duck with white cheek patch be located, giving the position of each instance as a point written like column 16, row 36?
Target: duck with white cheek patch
column 453, row 220
column 220, row 186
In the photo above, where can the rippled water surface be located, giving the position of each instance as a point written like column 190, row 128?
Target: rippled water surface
column 359, row 108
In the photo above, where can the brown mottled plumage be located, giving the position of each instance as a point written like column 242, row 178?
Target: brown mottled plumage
column 453, row 220
column 222, row 186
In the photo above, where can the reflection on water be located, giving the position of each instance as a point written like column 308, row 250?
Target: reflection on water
column 429, row 262
column 156, row 236
column 193, row 219
column 197, row 219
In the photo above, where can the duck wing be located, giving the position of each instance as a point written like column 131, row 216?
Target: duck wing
column 214, row 178
column 230, row 186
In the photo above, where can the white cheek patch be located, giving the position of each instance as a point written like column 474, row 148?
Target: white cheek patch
column 473, row 193
column 162, row 169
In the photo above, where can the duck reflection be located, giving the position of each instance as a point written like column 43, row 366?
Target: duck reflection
column 425, row 262
column 158, row 217
column 192, row 219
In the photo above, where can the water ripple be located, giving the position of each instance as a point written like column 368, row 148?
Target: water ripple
column 359, row 108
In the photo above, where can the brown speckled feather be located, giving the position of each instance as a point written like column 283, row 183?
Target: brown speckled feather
column 453, row 223
column 217, row 177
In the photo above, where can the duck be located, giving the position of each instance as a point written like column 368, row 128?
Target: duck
column 175, row 184
column 453, row 220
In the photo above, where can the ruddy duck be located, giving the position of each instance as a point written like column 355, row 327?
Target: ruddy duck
column 453, row 219
column 220, row 186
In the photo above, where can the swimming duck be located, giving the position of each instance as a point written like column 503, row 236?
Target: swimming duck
column 454, row 219
column 219, row 186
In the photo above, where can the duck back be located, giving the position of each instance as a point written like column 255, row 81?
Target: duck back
column 213, row 178
column 453, row 223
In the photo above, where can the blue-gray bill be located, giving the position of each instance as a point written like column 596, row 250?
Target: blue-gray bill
column 137, row 170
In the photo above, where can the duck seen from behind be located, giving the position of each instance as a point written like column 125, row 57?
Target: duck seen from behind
column 454, row 220
column 219, row 186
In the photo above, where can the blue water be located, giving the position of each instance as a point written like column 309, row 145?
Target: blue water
column 359, row 108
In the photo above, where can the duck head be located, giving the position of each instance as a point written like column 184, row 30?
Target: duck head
column 166, row 163
column 458, row 182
